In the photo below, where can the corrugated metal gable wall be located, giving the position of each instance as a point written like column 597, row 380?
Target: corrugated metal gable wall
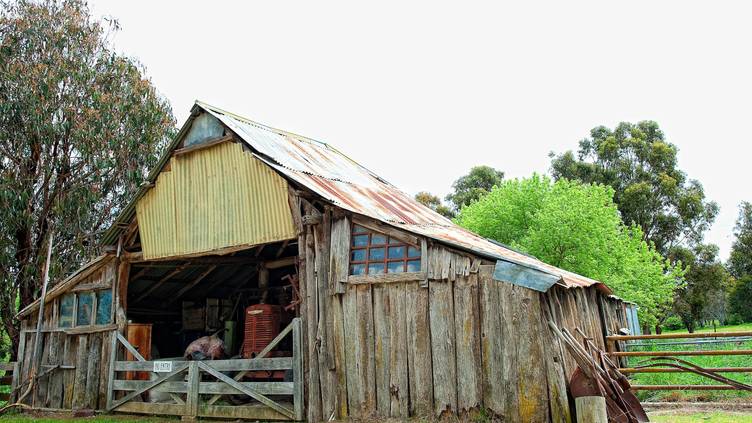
column 213, row 199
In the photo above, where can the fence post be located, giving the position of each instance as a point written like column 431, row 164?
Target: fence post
column 191, row 402
column 297, row 369
column 16, row 380
column 111, row 370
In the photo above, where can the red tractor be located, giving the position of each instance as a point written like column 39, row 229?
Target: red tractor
column 263, row 322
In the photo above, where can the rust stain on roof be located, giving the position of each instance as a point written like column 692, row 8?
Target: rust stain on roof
column 345, row 183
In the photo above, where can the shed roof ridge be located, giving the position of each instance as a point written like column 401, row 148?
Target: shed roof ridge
column 293, row 135
column 261, row 125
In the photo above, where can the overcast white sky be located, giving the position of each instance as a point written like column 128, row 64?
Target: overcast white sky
column 419, row 92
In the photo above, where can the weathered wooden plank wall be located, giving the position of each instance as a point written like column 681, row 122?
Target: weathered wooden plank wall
column 79, row 378
column 451, row 341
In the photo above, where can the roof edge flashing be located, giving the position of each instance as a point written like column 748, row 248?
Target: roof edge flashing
column 524, row 276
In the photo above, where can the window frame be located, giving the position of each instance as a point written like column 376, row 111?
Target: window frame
column 390, row 241
column 94, row 308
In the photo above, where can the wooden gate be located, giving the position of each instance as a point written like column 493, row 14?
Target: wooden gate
column 214, row 388
column 663, row 357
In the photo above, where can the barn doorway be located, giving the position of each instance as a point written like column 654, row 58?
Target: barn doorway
column 180, row 310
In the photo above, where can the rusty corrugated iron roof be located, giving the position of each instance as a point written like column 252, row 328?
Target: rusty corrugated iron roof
column 340, row 180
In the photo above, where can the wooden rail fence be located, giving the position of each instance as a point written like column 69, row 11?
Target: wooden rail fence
column 8, row 381
column 613, row 340
column 191, row 389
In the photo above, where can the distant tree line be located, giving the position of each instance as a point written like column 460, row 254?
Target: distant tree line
column 619, row 210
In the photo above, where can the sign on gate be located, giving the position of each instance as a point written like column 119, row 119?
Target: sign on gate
column 162, row 366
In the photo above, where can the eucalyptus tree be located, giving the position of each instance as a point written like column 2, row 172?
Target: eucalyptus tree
column 79, row 125
column 650, row 189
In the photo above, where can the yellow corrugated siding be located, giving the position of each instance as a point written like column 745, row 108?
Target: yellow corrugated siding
column 212, row 199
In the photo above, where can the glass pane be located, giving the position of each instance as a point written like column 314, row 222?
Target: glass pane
column 396, row 252
column 358, row 255
column 375, row 268
column 66, row 311
column 358, row 269
column 104, row 307
column 396, row 267
column 376, row 254
column 84, row 311
column 413, row 252
column 413, row 266
column 360, row 240
column 378, row 239
column 394, row 241
column 359, row 229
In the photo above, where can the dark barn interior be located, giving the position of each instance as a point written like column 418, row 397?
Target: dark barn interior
column 186, row 299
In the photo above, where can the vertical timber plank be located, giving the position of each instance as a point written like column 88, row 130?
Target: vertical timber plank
column 366, row 368
column 40, row 390
column 532, row 384
column 419, row 361
column 382, row 315
column 312, row 309
column 93, row 370
column 111, row 368
column 441, row 306
column 55, row 388
column 555, row 373
column 511, row 336
column 297, row 370
column 104, row 371
column 352, row 349
column 491, row 341
column 327, row 374
column 79, row 391
column 399, row 390
column 338, row 269
column 192, row 398
column 70, row 348
column 467, row 330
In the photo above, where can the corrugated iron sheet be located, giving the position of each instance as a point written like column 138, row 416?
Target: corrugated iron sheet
column 211, row 199
column 340, row 180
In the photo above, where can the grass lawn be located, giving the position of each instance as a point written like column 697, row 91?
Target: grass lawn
column 730, row 328
column 692, row 379
column 715, row 417
column 56, row 418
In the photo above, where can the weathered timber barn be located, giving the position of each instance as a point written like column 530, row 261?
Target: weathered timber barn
column 335, row 293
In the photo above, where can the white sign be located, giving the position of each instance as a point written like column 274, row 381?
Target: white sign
column 162, row 366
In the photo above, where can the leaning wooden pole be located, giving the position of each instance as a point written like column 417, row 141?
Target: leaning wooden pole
column 36, row 361
column 37, row 357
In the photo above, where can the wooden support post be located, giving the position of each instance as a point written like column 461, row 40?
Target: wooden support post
column 191, row 403
column 297, row 369
column 591, row 410
column 16, row 379
column 113, row 356
column 263, row 283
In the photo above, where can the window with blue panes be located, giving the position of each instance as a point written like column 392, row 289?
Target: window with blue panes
column 373, row 253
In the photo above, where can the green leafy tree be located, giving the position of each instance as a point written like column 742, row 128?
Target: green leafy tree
column 79, row 125
column 576, row 227
column 649, row 188
column 474, row 185
column 740, row 259
column 705, row 280
column 434, row 203
column 740, row 298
